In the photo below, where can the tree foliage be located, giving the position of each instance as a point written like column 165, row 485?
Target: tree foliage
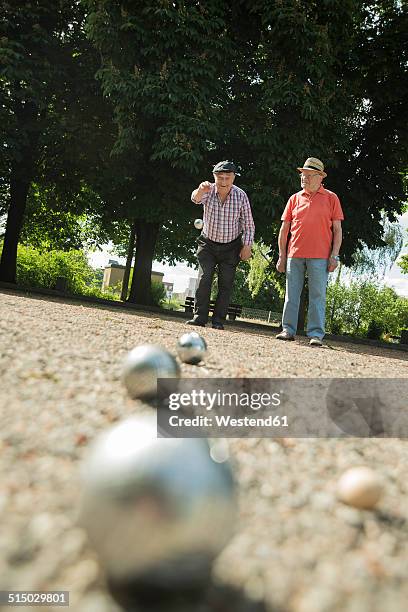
column 403, row 264
column 41, row 269
column 267, row 294
column 374, row 263
column 36, row 43
column 50, row 225
column 55, row 128
column 360, row 306
column 182, row 85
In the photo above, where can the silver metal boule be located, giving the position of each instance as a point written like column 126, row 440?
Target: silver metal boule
column 157, row 510
column 191, row 348
column 144, row 365
column 198, row 224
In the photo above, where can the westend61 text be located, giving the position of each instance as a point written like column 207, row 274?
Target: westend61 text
column 228, row 421
column 203, row 399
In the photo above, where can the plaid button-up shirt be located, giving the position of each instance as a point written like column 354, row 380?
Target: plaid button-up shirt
column 224, row 222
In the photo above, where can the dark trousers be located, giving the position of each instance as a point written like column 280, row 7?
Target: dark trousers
column 225, row 257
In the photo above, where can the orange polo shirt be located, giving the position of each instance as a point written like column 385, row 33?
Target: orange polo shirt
column 311, row 218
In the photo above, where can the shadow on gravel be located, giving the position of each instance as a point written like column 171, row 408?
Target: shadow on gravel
column 333, row 345
column 396, row 522
column 215, row 598
column 400, row 355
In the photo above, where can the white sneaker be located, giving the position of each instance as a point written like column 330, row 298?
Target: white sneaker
column 315, row 342
column 284, row 335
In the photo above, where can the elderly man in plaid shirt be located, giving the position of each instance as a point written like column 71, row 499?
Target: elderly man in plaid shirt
column 226, row 238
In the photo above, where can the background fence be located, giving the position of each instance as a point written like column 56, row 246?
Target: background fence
column 261, row 315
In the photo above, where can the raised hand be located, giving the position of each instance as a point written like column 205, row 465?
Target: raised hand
column 204, row 187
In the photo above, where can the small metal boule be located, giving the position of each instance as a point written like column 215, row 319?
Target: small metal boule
column 144, row 365
column 198, row 224
column 191, row 348
column 157, row 510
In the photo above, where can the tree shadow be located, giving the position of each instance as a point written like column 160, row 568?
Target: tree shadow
column 367, row 349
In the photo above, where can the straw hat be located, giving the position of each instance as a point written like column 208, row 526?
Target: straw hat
column 312, row 163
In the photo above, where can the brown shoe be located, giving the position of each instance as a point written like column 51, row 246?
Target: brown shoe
column 284, row 335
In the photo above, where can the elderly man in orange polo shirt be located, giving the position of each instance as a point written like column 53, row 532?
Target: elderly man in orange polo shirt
column 313, row 216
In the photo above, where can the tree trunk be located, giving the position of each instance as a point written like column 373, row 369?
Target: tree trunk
column 146, row 236
column 130, row 253
column 18, row 199
column 22, row 172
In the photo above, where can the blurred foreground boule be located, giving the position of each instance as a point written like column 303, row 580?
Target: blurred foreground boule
column 198, row 224
column 360, row 487
column 157, row 510
column 144, row 365
column 191, row 348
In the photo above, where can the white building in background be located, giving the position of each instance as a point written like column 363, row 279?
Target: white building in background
column 169, row 289
column 114, row 273
column 192, row 286
column 189, row 292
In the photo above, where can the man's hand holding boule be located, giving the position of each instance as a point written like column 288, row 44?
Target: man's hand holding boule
column 245, row 252
column 203, row 188
column 332, row 264
column 281, row 264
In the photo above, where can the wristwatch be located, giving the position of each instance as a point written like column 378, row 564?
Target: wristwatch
column 336, row 257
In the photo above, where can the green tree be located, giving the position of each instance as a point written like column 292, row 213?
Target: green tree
column 375, row 263
column 163, row 90
column 57, row 130
column 370, row 173
column 264, row 82
column 49, row 224
column 36, row 51
column 403, row 264
column 362, row 305
column 329, row 82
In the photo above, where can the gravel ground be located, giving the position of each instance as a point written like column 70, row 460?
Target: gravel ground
column 297, row 549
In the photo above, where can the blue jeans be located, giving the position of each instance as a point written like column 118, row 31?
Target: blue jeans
column 295, row 276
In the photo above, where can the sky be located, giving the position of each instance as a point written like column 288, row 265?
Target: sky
column 180, row 274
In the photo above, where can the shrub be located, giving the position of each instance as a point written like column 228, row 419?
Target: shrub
column 363, row 307
column 173, row 304
column 158, row 293
column 336, row 328
column 105, row 294
column 41, row 269
column 375, row 329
